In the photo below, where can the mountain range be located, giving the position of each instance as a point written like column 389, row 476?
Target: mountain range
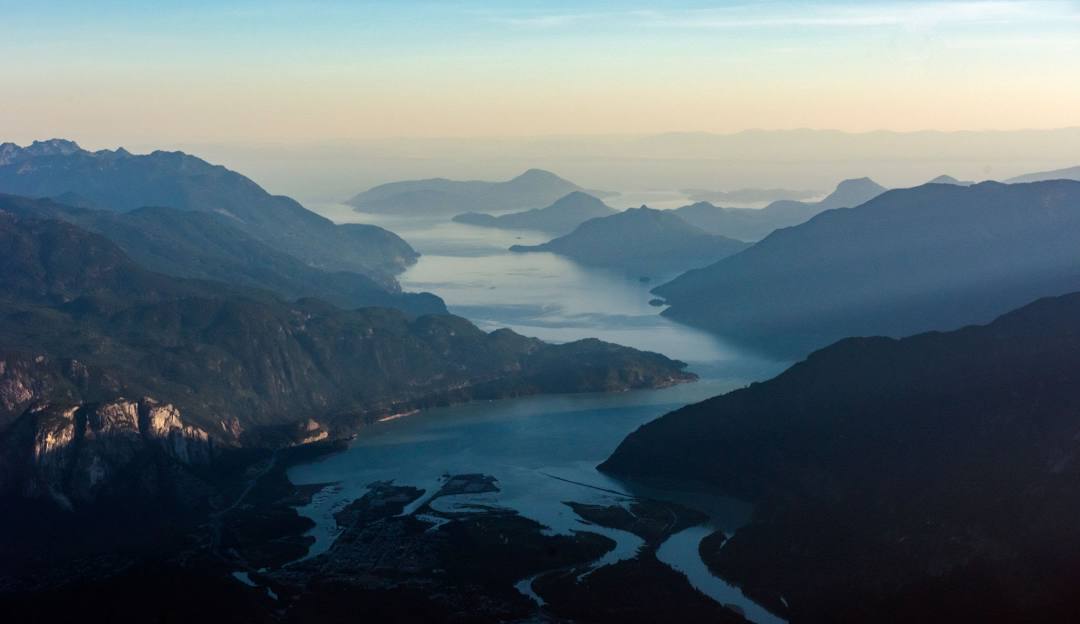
column 561, row 217
column 1069, row 173
column 751, row 224
column 931, row 478
column 84, row 326
column 439, row 196
column 642, row 242
column 121, row 181
column 936, row 256
column 209, row 245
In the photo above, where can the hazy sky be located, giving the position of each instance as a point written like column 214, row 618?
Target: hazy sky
column 108, row 72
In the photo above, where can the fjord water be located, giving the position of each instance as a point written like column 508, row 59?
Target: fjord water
column 543, row 450
column 548, row 296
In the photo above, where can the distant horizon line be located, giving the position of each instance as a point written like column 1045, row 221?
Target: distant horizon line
column 555, row 136
column 636, row 135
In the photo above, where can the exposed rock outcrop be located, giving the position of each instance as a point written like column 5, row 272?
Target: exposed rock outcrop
column 35, row 378
column 75, row 453
column 183, row 442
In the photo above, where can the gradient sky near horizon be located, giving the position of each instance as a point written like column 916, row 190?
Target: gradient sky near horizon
column 141, row 72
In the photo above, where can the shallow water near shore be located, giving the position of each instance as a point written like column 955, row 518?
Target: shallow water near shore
column 543, row 451
column 540, row 449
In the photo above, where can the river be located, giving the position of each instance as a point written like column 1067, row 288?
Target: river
column 543, row 450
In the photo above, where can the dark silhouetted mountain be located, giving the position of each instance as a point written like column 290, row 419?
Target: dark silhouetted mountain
column 439, row 196
column 751, row 224
column 932, row 257
column 208, row 245
column 641, row 241
column 1070, row 173
column 82, row 324
column 560, row 217
column 118, row 180
column 931, row 478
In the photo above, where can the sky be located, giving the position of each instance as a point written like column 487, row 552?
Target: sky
column 109, row 72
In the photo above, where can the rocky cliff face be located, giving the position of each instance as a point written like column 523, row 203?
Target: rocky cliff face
column 185, row 443
column 77, row 453
column 29, row 378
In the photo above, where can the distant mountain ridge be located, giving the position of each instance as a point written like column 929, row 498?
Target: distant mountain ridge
column 561, row 217
column 1069, row 173
column 439, row 196
column 751, row 224
column 11, row 153
column 948, row 179
column 207, row 245
column 640, row 241
column 936, row 256
column 121, row 181
column 851, row 193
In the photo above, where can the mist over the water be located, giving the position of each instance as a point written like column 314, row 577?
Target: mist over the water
column 650, row 168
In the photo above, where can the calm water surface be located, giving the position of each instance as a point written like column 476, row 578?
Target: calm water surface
column 543, row 450
column 545, row 295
